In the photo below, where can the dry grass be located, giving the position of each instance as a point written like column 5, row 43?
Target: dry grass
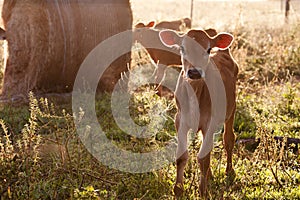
column 268, row 52
column 222, row 15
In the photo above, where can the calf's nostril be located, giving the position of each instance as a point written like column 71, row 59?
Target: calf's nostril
column 194, row 74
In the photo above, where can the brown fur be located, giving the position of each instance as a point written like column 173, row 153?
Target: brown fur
column 48, row 40
column 2, row 34
column 185, row 119
column 146, row 35
column 161, row 54
column 176, row 25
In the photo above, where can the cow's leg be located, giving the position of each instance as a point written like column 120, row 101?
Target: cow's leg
column 229, row 139
column 205, row 173
column 204, row 159
column 180, row 164
column 181, row 155
column 159, row 77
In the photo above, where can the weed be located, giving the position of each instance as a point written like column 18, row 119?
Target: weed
column 42, row 157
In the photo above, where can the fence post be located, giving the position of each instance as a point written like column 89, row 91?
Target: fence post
column 191, row 14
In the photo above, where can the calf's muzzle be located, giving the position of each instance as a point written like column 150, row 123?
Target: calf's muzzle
column 194, row 73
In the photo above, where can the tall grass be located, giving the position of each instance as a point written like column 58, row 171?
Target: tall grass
column 41, row 157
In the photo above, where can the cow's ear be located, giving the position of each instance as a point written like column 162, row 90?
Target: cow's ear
column 211, row 32
column 223, row 41
column 140, row 25
column 151, row 24
column 170, row 38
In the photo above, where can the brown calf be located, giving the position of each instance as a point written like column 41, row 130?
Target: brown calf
column 205, row 96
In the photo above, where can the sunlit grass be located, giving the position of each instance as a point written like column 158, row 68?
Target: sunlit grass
column 46, row 160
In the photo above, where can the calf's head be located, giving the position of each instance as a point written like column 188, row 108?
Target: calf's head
column 196, row 48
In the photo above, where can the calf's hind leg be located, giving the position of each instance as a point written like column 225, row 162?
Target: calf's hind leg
column 229, row 139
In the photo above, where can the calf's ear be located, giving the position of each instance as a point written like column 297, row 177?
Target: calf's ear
column 222, row 41
column 151, row 24
column 170, row 38
column 140, row 25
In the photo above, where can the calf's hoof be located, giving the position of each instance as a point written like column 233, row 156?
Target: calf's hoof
column 230, row 175
column 230, row 171
column 202, row 188
column 178, row 190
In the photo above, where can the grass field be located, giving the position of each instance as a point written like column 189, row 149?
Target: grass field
column 41, row 157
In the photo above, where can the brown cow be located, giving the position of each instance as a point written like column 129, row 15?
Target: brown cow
column 161, row 56
column 205, row 97
column 48, row 40
column 177, row 25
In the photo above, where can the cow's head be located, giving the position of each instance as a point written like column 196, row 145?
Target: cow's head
column 196, row 49
column 144, row 32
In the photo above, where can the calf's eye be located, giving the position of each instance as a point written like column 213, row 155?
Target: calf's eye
column 208, row 50
column 181, row 49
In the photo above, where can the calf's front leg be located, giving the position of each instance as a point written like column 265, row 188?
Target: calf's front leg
column 206, row 174
column 181, row 155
